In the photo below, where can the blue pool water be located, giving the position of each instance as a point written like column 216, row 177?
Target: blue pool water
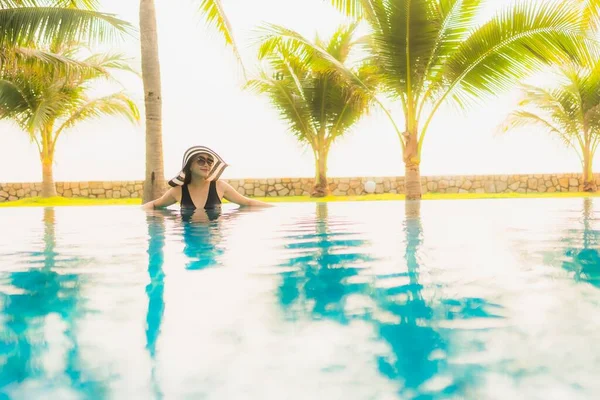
column 474, row 299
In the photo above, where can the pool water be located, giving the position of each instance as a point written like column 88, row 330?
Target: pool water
column 463, row 299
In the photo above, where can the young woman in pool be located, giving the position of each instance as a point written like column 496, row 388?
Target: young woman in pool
column 198, row 186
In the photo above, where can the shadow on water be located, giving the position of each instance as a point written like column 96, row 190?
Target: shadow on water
column 37, row 296
column 317, row 282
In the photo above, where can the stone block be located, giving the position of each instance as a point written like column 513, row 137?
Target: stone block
column 489, row 187
column 564, row 182
column 573, row 182
column 501, row 186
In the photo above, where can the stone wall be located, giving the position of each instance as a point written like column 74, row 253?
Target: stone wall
column 338, row 186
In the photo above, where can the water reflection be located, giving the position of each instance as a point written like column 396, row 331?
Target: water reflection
column 319, row 275
column 409, row 334
column 201, row 236
column 155, row 290
column 329, row 266
column 582, row 248
column 42, row 303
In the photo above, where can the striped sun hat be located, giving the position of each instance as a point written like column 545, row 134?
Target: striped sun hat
column 189, row 154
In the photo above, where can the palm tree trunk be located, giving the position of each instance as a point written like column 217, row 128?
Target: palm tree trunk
column 321, row 188
column 412, row 174
column 48, row 187
column 155, row 177
column 588, row 175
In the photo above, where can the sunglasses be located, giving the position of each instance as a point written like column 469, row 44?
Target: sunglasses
column 205, row 161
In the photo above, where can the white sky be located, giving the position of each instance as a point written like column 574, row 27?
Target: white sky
column 203, row 104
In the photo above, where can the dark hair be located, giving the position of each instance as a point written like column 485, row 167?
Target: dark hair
column 188, row 172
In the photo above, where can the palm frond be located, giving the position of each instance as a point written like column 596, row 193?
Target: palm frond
column 12, row 99
column 591, row 13
column 45, row 111
column 341, row 43
column 84, row 4
column 215, row 16
column 273, row 37
column 18, row 3
column 292, row 107
column 522, row 118
column 27, row 25
column 405, row 34
column 107, row 62
column 457, row 19
column 352, row 8
column 519, row 40
column 116, row 104
column 310, row 87
column 36, row 94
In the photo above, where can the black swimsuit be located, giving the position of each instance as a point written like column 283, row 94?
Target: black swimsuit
column 212, row 201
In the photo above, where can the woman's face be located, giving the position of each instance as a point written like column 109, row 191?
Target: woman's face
column 202, row 164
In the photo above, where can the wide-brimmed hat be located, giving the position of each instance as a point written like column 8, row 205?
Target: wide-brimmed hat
column 214, row 174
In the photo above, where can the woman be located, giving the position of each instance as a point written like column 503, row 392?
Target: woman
column 197, row 185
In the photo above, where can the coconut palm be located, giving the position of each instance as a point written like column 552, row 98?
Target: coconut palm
column 431, row 52
column 213, row 12
column 45, row 101
column 317, row 105
column 567, row 106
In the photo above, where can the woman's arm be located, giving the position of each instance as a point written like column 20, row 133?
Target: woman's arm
column 165, row 201
column 232, row 195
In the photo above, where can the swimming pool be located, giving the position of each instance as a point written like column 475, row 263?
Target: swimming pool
column 463, row 299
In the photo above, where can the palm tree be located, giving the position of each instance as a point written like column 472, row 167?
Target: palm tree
column 431, row 52
column 317, row 105
column 569, row 109
column 45, row 101
column 23, row 22
column 155, row 175
column 214, row 14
